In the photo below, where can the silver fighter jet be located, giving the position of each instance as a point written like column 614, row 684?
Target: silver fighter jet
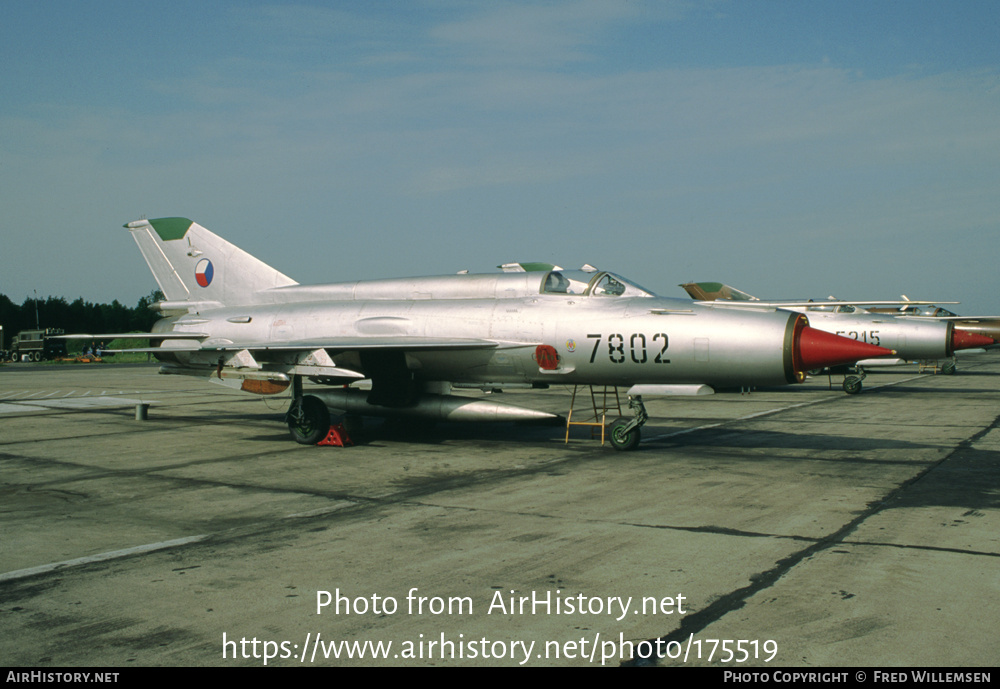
column 911, row 339
column 231, row 317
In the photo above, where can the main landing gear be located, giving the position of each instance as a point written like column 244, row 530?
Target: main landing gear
column 852, row 378
column 308, row 418
column 852, row 383
column 625, row 432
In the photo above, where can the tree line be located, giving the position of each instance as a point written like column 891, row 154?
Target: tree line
column 78, row 316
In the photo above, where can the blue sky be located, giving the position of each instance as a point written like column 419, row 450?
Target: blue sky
column 792, row 149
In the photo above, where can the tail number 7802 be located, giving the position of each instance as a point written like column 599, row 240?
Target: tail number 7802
column 637, row 346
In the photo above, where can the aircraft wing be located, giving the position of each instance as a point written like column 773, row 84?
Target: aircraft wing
column 190, row 346
column 717, row 293
column 134, row 336
column 195, row 342
column 314, row 351
column 967, row 319
column 266, row 367
column 807, row 303
column 337, row 344
column 350, row 343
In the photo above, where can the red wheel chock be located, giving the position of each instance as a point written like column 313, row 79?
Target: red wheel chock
column 337, row 436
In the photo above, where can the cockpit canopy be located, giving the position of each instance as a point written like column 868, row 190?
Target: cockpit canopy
column 601, row 284
column 836, row 308
column 935, row 311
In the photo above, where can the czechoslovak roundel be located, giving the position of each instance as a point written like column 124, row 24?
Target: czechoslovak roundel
column 203, row 272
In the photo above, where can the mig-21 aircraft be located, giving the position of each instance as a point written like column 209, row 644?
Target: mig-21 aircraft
column 230, row 317
column 911, row 339
column 983, row 325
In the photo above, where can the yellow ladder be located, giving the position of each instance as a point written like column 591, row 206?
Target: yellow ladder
column 600, row 412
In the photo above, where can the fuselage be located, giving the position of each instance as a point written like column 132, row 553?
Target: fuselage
column 910, row 339
column 234, row 319
column 988, row 326
column 604, row 330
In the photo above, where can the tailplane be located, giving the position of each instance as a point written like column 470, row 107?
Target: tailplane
column 194, row 265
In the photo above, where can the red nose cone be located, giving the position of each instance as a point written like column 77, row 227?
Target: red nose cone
column 964, row 339
column 819, row 349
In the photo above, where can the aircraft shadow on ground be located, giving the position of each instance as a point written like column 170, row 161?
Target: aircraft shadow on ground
column 741, row 440
column 435, row 433
column 902, row 390
column 966, row 479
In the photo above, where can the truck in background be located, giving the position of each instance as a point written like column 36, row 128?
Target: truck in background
column 38, row 345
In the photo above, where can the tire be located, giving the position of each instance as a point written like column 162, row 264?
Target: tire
column 312, row 423
column 622, row 440
column 852, row 385
column 948, row 369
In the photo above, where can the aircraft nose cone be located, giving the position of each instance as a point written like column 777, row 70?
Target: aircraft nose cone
column 820, row 349
column 964, row 339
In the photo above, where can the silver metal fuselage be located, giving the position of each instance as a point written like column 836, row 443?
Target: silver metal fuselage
column 911, row 339
column 619, row 336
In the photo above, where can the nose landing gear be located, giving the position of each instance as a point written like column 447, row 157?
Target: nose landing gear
column 625, row 433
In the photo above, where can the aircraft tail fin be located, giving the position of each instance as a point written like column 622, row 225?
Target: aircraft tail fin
column 191, row 264
column 715, row 291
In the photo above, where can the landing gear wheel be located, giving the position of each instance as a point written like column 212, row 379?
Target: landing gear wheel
column 948, row 369
column 621, row 439
column 852, row 385
column 308, row 420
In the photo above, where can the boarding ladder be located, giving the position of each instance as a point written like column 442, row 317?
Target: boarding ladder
column 609, row 401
